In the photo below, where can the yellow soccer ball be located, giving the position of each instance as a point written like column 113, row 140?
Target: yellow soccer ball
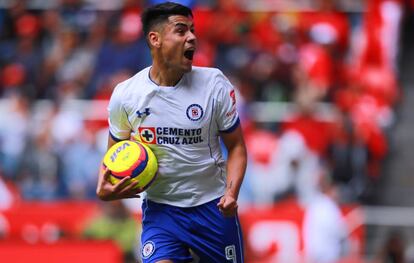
column 131, row 158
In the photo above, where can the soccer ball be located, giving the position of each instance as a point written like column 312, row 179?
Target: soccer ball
column 131, row 158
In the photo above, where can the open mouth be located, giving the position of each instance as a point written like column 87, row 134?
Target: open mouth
column 188, row 54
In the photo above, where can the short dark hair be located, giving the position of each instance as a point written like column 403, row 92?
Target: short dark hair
column 159, row 13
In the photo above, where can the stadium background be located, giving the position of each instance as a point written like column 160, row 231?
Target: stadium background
column 324, row 88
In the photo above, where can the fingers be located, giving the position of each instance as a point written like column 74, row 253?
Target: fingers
column 106, row 173
column 123, row 188
column 226, row 202
column 227, row 206
column 221, row 202
column 132, row 188
column 121, row 183
column 126, row 190
column 228, row 212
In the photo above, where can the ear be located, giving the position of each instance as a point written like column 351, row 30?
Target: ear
column 154, row 39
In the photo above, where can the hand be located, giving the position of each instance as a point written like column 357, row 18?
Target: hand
column 228, row 205
column 106, row 191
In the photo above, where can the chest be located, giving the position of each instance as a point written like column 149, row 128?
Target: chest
column 174, row 118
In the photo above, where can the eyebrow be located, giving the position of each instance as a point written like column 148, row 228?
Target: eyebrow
column 183, row 24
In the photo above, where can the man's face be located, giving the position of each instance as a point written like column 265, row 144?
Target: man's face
column 178, row 43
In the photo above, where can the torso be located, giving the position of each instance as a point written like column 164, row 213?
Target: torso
column 181, row 125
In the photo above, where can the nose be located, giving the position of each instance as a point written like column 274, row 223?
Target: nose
column 191, row 37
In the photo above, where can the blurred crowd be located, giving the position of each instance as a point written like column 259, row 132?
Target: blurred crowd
column 55, row 59
column 78, row 50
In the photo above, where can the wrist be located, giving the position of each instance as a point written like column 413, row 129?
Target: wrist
column 229, row 193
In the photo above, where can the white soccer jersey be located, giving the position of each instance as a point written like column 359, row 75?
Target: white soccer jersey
column 181, row 125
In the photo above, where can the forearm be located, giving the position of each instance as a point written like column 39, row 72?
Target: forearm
column 236, row 168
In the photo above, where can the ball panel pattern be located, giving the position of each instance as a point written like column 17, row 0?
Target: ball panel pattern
column 131, row 158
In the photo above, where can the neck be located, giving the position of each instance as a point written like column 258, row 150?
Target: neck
column 163, row 76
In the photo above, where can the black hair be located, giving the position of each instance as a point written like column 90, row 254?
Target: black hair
column 159, row 13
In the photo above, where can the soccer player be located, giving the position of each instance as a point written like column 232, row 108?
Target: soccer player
column 181, row 112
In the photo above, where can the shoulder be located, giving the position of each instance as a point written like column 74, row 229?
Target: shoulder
column 212, row 77
column 129, row 91
column 205, row 72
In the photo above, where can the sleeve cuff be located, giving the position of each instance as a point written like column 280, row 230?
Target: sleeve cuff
column 115, row 138
column 233, row 127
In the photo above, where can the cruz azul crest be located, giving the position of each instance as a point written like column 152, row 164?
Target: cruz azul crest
column 195, row 112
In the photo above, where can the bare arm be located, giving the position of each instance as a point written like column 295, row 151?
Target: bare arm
column 106, row 191
column 236, row 167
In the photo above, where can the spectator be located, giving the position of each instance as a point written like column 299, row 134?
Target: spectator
column 6, row 201
column 79, row 161
column 39, row 170
column 27, row 51
column 123, row 50
column 295, row 167
column 115, row 223
column 66, row 61
column 325, row 230
column 14, row 134
column 393, row 249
